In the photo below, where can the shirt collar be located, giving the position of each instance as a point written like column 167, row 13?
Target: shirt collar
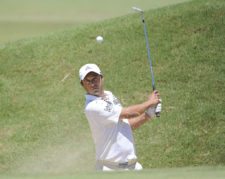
column 90, row 97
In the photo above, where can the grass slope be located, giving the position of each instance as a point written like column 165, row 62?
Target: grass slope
column 28, row 18
column 43, row 128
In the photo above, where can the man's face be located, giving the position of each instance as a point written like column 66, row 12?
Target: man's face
column 93, row 84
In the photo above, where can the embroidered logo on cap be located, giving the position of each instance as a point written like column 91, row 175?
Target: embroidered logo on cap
column 87, row 68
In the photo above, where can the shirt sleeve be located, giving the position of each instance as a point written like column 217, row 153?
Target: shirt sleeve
column 103, row 112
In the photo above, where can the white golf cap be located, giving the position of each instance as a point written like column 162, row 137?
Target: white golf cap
column 85, row 69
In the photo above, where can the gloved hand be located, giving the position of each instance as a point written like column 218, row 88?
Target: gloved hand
column 158, row 109
column 151, row 112
column 155, row 111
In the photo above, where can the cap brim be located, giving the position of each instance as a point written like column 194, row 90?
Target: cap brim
column 89, row 71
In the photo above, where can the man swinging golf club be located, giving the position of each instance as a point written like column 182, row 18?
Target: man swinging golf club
column 111, row 124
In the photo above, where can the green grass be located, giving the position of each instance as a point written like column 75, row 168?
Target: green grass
column 42, row 126
column 29, row 18
column 172, row 173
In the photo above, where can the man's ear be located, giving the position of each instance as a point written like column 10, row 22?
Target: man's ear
column 81, row 82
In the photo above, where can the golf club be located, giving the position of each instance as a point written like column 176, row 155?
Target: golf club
column 149, row 54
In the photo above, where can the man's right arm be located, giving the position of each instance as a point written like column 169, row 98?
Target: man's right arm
column 137, row 110
column 139, row 120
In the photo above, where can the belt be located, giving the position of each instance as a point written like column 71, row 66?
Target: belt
column 118, row 164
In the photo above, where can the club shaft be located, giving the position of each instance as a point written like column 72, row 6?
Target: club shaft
column 149, row 58
column 148, row 52
column 137, row 9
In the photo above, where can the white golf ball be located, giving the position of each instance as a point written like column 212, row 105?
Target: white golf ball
column 99, row 39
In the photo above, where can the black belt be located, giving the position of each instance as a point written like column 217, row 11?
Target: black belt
column 119, row 165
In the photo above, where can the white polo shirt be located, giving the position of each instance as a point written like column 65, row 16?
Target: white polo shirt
column 112, row 137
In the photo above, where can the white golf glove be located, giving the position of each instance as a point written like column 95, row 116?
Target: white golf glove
column 158, row 109
column 150, row 112
column 155, row 111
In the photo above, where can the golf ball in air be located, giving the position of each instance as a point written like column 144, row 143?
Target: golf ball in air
column 99, row 39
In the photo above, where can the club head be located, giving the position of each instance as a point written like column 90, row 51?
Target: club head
column 137, row 9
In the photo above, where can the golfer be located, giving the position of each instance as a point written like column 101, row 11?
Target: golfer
column 111, row 124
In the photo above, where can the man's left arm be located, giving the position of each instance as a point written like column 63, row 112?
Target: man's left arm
column 136, row 122
column 138, row 109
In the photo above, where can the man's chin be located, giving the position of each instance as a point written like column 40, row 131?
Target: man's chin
column 96, row 93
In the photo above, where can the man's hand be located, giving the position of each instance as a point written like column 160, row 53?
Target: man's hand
column 154, row 98
column 150, row 112
column 155, row 110
column 158, row 108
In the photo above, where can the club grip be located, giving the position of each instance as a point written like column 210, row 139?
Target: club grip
column 158, row 109
column 157, row 114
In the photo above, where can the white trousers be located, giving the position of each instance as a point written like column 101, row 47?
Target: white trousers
column 101, row 166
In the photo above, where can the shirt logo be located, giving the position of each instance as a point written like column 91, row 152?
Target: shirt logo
column 110, row 102
column 116, row 101
column 109, row 106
